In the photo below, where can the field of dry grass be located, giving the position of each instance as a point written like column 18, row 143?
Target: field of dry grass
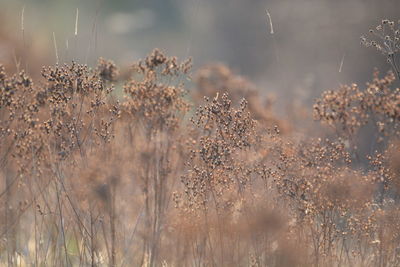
column 107, row 167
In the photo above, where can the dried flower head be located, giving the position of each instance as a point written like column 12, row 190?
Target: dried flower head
column 386, row 39
column 156, row 97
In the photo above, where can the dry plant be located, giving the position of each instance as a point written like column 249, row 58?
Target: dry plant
column 385, row 38
column 350, row 110
column 154, row 108
column 218, row 78
column 96, row 177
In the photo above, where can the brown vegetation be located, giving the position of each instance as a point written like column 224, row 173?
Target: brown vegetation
column 91, row 177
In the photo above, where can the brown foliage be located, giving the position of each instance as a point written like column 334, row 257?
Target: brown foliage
column 96, row 179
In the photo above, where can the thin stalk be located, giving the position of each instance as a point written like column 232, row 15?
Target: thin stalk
column 112, row 227
column 62, row 224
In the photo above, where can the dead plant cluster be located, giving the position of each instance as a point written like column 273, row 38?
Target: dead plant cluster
column 154, row 175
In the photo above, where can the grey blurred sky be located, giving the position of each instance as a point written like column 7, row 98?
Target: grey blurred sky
column 301, row 59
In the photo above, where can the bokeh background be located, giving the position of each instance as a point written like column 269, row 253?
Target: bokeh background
column 301, row 59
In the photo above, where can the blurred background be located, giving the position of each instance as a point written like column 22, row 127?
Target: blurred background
column 301, row 59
